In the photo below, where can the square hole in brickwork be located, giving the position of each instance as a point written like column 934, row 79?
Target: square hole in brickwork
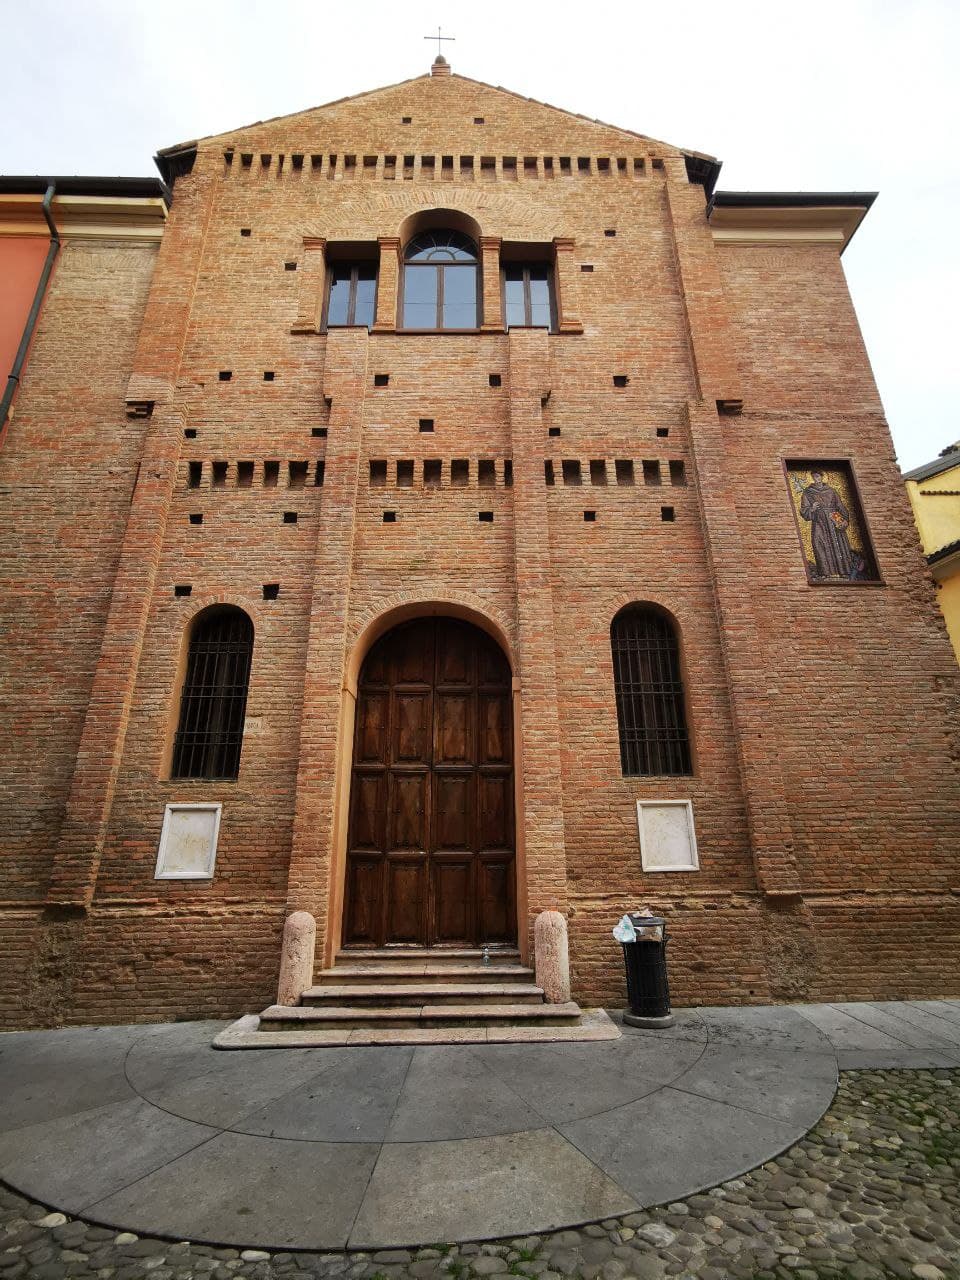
column 319, row 472
column 425, row 424
column 479, row 120
column 530, row 165
column 548, row 475
column 583, row 164
column 655, row 163
column 225, row 375
column 389, row 517
column 369, row 162
column 603, row 164
column 427, row 164
column 620, row 380
column 196, row 517
column 378, row 473
column 460, row 471
column 486, row 473
column 667, row 513
column 590, row 516
column 548, row 165
column 610, row 231
column 553, row 431
column 466, row 166
column 598, row 471
column 244, row 474
column 433, row 473
column 405, row 473
column 245, row 231
column 485, row 517
column 296, row 160
column 510, row 165
column 190, row 433
column 182, row 589
column 271, row 474
column 663, row 432
column 297, row 474
column 565, row 164
column 194, row 474
column 246, row 159
column 508, row 473
column 496, row 380
column 268, row 375
column 271, row 590
column 219, row 474
column 319, row 432
column 571, row 471
column 406, row 119
column 624, row 469
column 651, row 471
column 381, row 379
column 586, row 266
column 289, row 266
column 678, row 472
column 290, row 517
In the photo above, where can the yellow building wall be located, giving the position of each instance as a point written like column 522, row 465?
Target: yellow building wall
column 936, row 510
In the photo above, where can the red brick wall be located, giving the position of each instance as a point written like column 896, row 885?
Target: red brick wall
column 817, row 714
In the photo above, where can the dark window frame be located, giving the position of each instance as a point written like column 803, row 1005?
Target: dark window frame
column 652, row 720
column 441, row 268
column 526, row 266
column 354, row 264
column 208, row 740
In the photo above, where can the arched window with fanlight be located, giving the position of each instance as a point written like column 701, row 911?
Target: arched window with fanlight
column 649, row 691
column 213, row 701
column 440, row 279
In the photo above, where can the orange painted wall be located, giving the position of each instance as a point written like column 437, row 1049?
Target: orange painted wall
column 21, row 261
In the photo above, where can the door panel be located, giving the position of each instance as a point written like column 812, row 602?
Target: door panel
column 430, row 848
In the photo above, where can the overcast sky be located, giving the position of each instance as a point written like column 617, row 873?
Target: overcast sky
column 850, row 95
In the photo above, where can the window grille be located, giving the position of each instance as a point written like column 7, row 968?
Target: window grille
column 214, row 698
column 649, row 692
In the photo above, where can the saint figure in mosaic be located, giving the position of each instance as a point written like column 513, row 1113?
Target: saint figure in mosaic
column 829, row 520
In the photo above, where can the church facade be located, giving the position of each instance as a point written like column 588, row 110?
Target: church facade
column 465, row 511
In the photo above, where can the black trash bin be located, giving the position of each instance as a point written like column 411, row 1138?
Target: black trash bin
column 648, row 991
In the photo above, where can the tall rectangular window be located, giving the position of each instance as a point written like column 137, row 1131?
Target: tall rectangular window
column 352, row 294
column 528, row 295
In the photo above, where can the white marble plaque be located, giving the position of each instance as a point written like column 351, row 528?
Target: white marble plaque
column 668, row 841
column 188, row 842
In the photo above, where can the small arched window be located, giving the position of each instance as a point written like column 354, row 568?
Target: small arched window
column 440, row 282
column 649, row 691
column 214, row 698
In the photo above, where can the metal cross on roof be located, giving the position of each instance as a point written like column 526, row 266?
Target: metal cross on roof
column 438, row 37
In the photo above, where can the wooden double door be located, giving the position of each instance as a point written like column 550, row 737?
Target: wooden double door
column 430, row 846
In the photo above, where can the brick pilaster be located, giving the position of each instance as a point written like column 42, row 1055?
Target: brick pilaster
column 388, row 285
column 490, row 271
column 567, row 287
column 345, row 377
column 313, row 271
column 541, row 831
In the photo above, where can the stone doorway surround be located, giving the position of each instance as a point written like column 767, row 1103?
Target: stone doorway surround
column 150, row 1129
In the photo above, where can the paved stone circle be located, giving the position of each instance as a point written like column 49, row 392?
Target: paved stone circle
column 872, row 1191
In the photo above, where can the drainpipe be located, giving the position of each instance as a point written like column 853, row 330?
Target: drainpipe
column 13, row 378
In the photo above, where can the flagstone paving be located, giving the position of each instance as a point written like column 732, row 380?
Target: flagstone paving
column 872, row 1191
column 381, row 1150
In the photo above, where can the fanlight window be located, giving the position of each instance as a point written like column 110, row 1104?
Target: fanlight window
column 649, row 692
column 440, row 282
column 214, row 698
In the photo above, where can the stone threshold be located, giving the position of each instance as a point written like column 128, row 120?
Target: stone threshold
column 245, row 1033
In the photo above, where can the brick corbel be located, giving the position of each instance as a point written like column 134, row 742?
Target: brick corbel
column 490, row 271
column 388, row 285
column 567, row 287
column 312, row 274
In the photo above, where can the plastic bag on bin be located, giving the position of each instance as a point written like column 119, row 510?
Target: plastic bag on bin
column 624, row 931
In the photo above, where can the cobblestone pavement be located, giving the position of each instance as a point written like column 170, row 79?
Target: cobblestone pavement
column 872, row 1191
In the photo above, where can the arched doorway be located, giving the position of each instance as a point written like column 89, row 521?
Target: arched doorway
column 430, row 844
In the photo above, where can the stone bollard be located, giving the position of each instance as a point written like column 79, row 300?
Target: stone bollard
column 551, row 956
column 296, row 957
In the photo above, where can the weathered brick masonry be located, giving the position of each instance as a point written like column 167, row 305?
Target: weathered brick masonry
column 820, row 716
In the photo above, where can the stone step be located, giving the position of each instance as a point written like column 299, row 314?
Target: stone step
column 281, row 1018
column 421, row 993
column 426, row 955
column 391, row 975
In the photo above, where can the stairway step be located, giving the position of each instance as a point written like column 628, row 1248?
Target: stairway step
column 421, row 993
column 391, row 975
column 426, row 955
column 281, row 1018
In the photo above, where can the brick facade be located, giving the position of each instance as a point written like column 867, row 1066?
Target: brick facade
column 820, row 716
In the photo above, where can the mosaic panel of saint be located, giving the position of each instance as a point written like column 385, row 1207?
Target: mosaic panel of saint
column 833, row 534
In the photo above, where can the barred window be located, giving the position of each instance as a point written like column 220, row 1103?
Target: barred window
column 649, row 692
column 214, row 697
